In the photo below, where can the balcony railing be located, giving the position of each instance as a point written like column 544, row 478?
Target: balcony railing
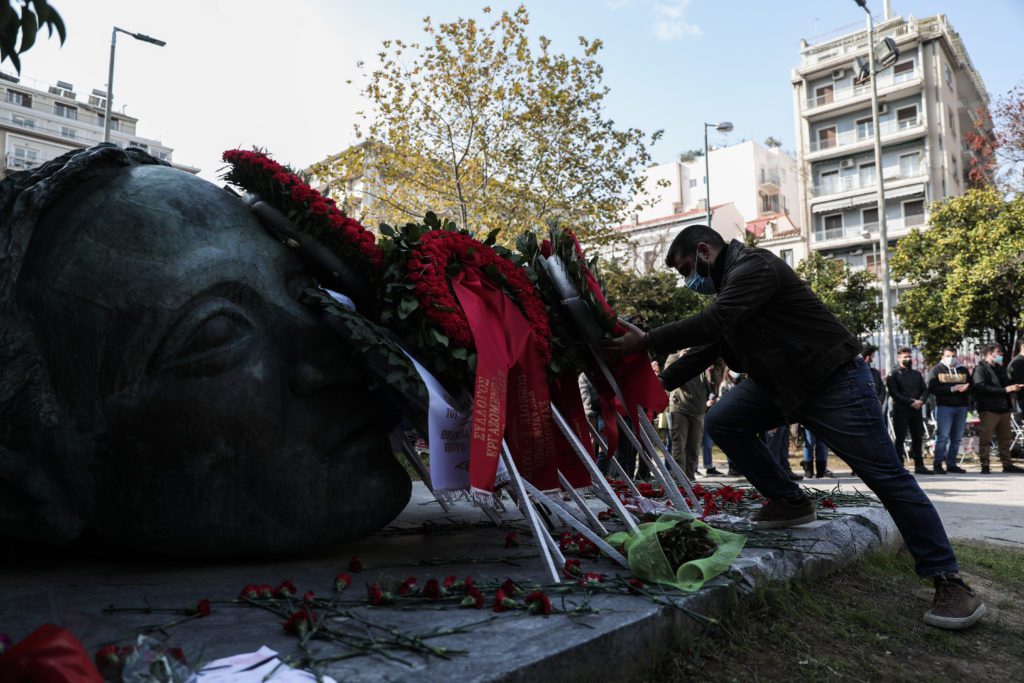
column 851, row 92
column 770, row 177
column 864, row 134
column 21, row 163
column 858, row 182
column 857, row 230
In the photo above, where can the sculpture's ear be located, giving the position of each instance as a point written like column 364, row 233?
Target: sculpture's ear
column 33, row 504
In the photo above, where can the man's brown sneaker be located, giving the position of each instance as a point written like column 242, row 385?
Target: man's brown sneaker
column 955, row 606
column 778, row 513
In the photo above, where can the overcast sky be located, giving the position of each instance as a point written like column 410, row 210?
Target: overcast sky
column 273, row 73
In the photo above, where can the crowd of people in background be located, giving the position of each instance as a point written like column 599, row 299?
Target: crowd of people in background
column 944, row 395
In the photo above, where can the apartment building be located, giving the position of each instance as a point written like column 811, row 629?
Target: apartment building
column 751, row 186
column 927, row 101
column 39, row 122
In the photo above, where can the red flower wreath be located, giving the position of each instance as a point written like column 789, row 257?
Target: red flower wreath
column 427, row 269
column 308, row 210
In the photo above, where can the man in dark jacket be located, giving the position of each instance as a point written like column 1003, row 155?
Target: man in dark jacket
column 992, row 391
column 949, row 382
column 907, row 393
column 1015, row 369
column 803, row 366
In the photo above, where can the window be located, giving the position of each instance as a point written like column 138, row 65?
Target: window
column 910, row 165
column 22, row 121
column 827, row 137
column 769, row 203
column 904, row 70
column 833, row 225
column 114, row 123
column 871, row 262
column 139, row 145
column 693, row 182
column 25, row 157
column 952, row 122
column 913, row 213
column 787, row 257
column 869, row 219
column 67, row 132
column 948, row 73
column 865, row 128
column 19, row 98
column 705, row 181
column 824, row 95
column 906, row 117
column 956, row 172
column 829, row 182
column 66, row 111
column 866, row 174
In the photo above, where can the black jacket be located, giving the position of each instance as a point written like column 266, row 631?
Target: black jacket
column 764, row 321
column 989, row 383
column 1015, row 370
column 942, row 379
column 906, row 385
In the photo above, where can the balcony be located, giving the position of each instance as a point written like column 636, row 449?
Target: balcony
column 854, row 233
column 855, row 92
column 862, row 135
column 770, row 178
column 16, row 163
column 857, row 182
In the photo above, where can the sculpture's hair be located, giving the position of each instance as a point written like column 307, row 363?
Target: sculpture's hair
column 27, row 405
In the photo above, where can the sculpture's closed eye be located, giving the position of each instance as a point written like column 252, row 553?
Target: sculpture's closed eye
column 207, row 339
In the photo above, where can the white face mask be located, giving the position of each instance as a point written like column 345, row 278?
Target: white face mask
column 948, row 361
column 734, row 375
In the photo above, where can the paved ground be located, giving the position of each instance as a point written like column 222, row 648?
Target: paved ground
column 987, row 507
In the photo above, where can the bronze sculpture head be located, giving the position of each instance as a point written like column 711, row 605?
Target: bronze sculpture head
column 159, row 380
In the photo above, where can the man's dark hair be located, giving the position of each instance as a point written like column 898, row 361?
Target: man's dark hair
column 904, row 349
column 1020, row 345
column 989, row 348
column 950, row 349
column 869, row 350
column 687, row 240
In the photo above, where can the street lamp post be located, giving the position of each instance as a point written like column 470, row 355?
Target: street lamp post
column 883, row 236
column 110, row 75
column 721, row 127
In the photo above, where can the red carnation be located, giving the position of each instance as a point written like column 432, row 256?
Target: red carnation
column 300, row 192
column 538, row 603
column 408, row 586
column 474, row 598
column 200, row 609
column 449, row 582
column 308, row 597
column 177, row 653
column 283, row 178
column 510, row 588
column 511, row 540
column 635, row 586
column 378, row 596
column 828, row 503
column 468, row 584
column 287, row 589
column 503, row 603
column 318, row 208
column 591, row 579
column 342, row 581
column 432, row 591
column 572, row 568
column 300, row 622
column 355, row 565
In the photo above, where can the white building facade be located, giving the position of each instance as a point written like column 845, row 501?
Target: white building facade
column 927, row 101
column 39, row 122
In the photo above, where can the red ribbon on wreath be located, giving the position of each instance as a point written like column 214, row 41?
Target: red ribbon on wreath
column 50, row 654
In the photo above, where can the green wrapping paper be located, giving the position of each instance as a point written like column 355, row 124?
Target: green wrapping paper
column 648, row 562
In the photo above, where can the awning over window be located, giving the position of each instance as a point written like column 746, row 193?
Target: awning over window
column 866, row 199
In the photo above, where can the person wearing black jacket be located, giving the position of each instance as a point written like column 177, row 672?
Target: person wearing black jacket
column 908, row 393
column 950, row 383
column 803, row 366
column 1015, row 369
column 992, row 390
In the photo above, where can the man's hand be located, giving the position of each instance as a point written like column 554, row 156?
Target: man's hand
column 960, row 388
column 633, row 341
column 916, row 405
column 1014, row 388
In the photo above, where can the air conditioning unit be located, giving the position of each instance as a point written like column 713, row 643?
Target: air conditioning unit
column 847, row 163
column 65, row 85
column 97, row 101
column 838, row 74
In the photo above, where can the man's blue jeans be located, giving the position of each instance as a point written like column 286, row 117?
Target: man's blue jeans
column 949, row 431
column 815, row 449
column 844, row 413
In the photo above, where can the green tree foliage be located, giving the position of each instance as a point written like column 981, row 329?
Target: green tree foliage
column 25, row 25
column 490, row 129
column 849, row 294
column 966, row 272
column 656, row 297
